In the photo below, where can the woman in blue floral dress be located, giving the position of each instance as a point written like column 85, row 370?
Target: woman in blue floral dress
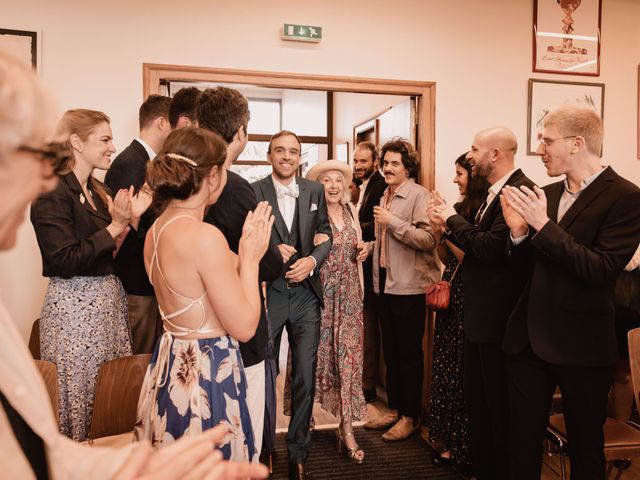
column 207, row 297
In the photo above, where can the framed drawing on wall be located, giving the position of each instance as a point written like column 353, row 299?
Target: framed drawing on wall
column 566, row 36
column 545, row 95
column 21, row 44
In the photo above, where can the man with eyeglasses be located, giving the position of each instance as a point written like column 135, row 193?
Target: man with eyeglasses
column 581, row 232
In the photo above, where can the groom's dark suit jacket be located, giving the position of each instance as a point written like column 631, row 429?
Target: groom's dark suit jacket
column 312, row 218
column 567, row 311
column 492, row 280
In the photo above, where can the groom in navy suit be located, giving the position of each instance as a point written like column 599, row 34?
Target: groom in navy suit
column 294, row 300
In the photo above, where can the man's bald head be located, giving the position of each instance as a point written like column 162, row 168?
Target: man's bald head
column 501, row 138
column 492, row 153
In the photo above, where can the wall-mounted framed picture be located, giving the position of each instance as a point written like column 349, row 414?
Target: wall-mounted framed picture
column 21, row 44
column 546, row 95
column 566, row 36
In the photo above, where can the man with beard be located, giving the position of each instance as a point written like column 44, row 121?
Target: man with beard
column 371, row 190
column 492, row 284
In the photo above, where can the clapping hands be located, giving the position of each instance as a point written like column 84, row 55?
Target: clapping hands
column 256, row 233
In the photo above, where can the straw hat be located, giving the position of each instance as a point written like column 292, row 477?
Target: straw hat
column 322, row 167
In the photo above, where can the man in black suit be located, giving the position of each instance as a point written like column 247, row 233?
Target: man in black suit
column 226, row 112
column 128, row 169
column 295, row 298
column 582, row 231
column 492, row 284
column 365, row 165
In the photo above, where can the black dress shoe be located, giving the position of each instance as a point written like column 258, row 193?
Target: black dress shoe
column 370, row 395
column 298, row 471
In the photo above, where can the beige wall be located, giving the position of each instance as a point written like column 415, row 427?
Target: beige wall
column 477, row 52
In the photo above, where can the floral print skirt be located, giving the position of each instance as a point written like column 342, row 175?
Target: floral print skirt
column 194, row 385
column 83, row 324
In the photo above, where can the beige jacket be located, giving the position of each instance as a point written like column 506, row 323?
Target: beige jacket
column 411, row 255
column 24, row 388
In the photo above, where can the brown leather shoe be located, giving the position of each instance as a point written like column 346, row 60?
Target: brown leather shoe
column 383, row 422
column 404, row 428
column 298, row 471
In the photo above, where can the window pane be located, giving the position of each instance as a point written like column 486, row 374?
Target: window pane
column 304, row 112
column 265, row 116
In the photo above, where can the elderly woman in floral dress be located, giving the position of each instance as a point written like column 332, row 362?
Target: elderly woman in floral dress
column 339, row 369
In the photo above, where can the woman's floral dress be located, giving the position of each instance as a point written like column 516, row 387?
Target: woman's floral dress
column 339, row 369
column 194, row 385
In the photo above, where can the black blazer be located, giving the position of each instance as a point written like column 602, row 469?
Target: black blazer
column 312, row 218
column 228, row 214
column 491, row 280
column 128, row 169
column 567, row 313
column 72, row 237
column 371, row 197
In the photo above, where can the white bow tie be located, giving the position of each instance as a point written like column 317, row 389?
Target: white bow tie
column 291, row 190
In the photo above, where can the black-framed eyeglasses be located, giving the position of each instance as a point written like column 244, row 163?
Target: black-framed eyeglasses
column 548, row 141
column 56, row 153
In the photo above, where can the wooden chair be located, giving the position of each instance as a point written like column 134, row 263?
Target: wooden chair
column 49, row 374
column 34, row 340
column 621, row 439
column 117, row 392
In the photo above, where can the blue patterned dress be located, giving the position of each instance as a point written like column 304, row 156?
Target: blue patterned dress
column 194, row 385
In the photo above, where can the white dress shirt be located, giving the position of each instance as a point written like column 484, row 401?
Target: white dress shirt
column 286, row 203
column 494, row 190
column 363, row 187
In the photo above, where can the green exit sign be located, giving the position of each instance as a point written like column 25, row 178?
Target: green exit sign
column 301, row 33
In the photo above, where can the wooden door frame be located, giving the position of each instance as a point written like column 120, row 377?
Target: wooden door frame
column 153, row 74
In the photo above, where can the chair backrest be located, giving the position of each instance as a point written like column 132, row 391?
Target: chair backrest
column 117, row 392
column 49, row 374
column 34, row 340
column 634, row 361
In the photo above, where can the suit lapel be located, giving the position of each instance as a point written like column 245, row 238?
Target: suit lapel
column 269, row 192
column 586, row 197
column 74, row 185
column 303, row 204
column 554, row 192
column 490, row 212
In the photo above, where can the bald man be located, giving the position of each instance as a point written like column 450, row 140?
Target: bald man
column 492, row 283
